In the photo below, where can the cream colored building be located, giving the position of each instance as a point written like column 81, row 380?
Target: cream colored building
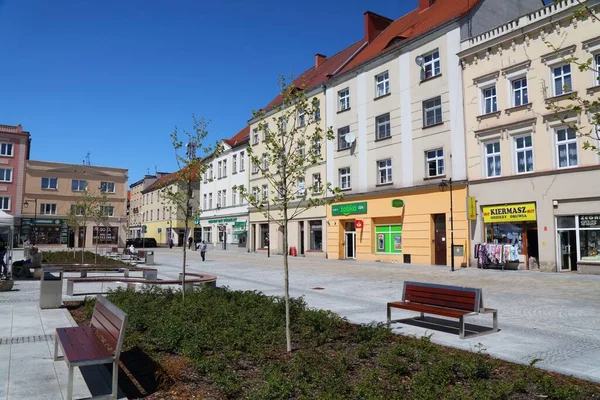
column 51, row 189
column 397, row 113
column 135, row 203
column 535, row 185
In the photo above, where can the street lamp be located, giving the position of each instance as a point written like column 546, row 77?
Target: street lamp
column 26, row 204
column 224, row 231
column 443, row 185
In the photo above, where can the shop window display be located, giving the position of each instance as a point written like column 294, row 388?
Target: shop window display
column 589, row 241
column 388, row 239
column 505, row 233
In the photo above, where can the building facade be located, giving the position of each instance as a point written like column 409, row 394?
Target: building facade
column 397, row 114
column 53, row 189
column 14, row 152
column 534, row 183
column 135, row 203
column 223, row 222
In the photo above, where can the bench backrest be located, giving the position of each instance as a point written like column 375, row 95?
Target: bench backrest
column 110, row 322
column 458, row 297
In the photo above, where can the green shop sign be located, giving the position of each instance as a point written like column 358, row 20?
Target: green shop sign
column 222, row 220
column 397, row 203
column 349, row 208
column 42, row 221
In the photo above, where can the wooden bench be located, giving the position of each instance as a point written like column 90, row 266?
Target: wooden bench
column 125, row 269
column 132, row 283
column 448, row 301
column 87, row 345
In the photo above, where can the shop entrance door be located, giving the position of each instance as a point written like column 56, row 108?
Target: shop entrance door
column 350, row 236
column 567, row 251
column 439, row 226
column 301, row 237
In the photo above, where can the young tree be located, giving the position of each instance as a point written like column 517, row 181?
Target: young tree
column 180, row 194
column 73, row 220
column 293, row 140
column 99, row 216
column 578, row 103
column 83, row 211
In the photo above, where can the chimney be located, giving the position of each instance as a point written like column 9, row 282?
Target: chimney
column 425, row 4
column 374, row 25
column 319, row 59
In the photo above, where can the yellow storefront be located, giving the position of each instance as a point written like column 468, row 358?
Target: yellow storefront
column 404, row 227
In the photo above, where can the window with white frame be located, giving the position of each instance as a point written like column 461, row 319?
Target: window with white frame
column 224, row 168
column 205, row 202
column 561, row 77
column 317, row 110
column 597, row 69
column 490, row 102
column 205, row 176
column 524, row 154
column 301, row 186
column 435, row 163
column 265, row 131
column 566, row 147
column 344, row 178
column 254, row 168
column 219, row 198
column 431, row 64
column 210, row 203
column 316, row 181
column 79, row 210
column 341, row 138
column 48, row 208
column 519, row 93
column 432, row 112
column 210, row 171
column 5, row 203
column 107, row 187
column 301, row 118
column 78, row 185
column 265, row 192
column 384, row 168
column 344, row 99
column 265, row 161
column 6, row 149
column 301, row 148
column 255, row 193
column 5, row 174
column 382, row 84
column 50, row 183
column 109, row 211
column 234, row 197
column 234, row 164
column 317, row 147
column 493, row 161
column 224, row 198
column 242, row 161
column 219, row 175
column 255, row 136
column 382, row 127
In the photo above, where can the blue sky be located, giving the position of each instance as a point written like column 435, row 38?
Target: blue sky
column 114, row 77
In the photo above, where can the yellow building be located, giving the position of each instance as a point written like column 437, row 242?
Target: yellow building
column 401, row 226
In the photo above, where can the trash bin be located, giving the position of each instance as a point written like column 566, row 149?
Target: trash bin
column 51, row 287
column 149, row 258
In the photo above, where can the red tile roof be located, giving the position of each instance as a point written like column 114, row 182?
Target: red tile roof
column 166, row 180
column 315, row 76
column 411, row 25
column 240, row 138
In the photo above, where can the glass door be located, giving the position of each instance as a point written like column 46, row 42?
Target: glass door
column 567, row 243
column 350, row 236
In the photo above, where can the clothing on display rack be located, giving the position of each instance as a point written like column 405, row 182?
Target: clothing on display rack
column 495, row 254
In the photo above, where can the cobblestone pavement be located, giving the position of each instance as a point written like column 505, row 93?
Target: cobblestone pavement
column 547, row 316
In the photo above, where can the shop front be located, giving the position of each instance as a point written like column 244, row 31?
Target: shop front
column 225, row 233
column 403, row 227
column 578, row 239
column 44, row 231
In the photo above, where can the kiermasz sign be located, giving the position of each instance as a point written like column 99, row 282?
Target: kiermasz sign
column 509, row 213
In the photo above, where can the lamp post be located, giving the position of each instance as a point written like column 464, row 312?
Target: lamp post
column 443, row 185
column 26, row 204
column 268, row 227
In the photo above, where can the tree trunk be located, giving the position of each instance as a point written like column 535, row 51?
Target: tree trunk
column 288, row 334
column 184, row 259
column 83, row 244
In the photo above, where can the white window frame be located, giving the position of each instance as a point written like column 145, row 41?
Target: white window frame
column 3, row 173
column 265, row 191
column 255, row 193
column 345, row 178
column 433, row 109
column 219, row 174
column 524, row 90
column 493, row 97
column 301, row 118
column 436, row 159
column 47, row 209
column 234, row 197
column 255, row 168
column 379, row 124
column 524, row 150
column 255, row 136
column 205, row 201
column 493, row 155
column 566, row 143
column 385, row 167
column 79, row 189
column 225, row 168
column 317, row 148
column 316, row 180
column 105, row 187
column 210, row 171
column 7, row 149
column 49, row 183
column 431, row 64
column 562, row 78
column 224, row 198
column 264, row 132
column 265, row 161
column 382, row 84
column 5, row 203
column 109, row 211
column 242, row 161
column 210, row 201
column 341, row 138
column 234, row 164
column 301, row 191
column 344, row 99
column 596, row 70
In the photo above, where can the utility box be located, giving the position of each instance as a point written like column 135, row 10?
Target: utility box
column 149, row 258
column 51, row 287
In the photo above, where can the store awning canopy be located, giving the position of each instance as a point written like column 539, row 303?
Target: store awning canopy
column 6, row 219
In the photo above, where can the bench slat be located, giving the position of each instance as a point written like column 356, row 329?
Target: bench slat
column 81, row 344
column 446, row 312
column 447, row 297
column 441, row 303
column 107, row 324
column 452, row 292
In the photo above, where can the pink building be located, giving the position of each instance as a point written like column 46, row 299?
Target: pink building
column 14, row 151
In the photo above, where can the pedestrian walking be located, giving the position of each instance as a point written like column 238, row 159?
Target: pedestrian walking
column 190, row 242
column 203, row 250
column 3, row 268
column 170, row 243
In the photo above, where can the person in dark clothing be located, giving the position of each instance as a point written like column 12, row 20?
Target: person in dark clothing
column 170, row 243
column 3, row 268
column 202, row 248
column 190, row 242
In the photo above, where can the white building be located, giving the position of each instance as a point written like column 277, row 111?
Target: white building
column 224, row 218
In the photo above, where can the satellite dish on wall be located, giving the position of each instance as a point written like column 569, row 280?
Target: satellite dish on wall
column 350, row 137
column 419, row 60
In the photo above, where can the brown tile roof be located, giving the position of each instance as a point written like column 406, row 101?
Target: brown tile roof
column 411, row 25
column 166, row 180
column 315, row 76
column 240, row 138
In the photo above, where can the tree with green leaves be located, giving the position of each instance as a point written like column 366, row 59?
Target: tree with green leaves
column 84, row 210
column 577, row 103
column 99, row 216
column 293, row 138
column 180, row 193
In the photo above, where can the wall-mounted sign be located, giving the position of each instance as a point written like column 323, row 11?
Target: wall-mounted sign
column 42, row 221
column 349, row 208
column 397, row 203
column 589, row 221
column 359, row 223
column 509, row 213
column 471, row 208
column 222, row 220
column 381, row 242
